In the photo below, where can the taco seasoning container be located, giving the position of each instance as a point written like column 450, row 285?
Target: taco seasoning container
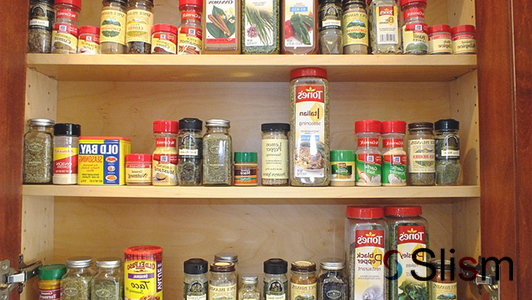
column 89, row 40
column 421, row 154
column 41, row 24
column 384, row 27
column 196, row 281
column 223, row 280
column 222, row 27
column 275, row 279
column 138, row 169
column 75, row 284
column 447, row 152
column 50, row 281
column 355, row 27
column 190, row 33
column 309, row 123
column 38, row 149
column 303, row 281
column 330, row 25
column 368, row 159
column 332, row 284
column 443, row 285
column 440, row 41
column 299, row 32
column 138, row 26
column 260, row 26
column 393, row 155
column 165, row 155
column 342, row 168
column 65, row 33
column 143, row 278
column 366, row 239
column 464, row 41
column 246, row 169
column 275, row 157
column 190, row 151
column 217, row 153
column 113, row 27
column 66, row 148
column 164, row 39
column 249, row 289
column 408, row 232
column 108, row 283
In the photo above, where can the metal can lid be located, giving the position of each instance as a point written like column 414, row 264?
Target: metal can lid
column 250, row 279
column 217, row 123
column 226, row 256
column 41, row 122
column 223, row 266
column 108, row 262
column 79, row 262
column 332, row 264
column 303, row 266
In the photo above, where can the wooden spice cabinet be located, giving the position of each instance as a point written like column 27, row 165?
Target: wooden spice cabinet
column 121, row 96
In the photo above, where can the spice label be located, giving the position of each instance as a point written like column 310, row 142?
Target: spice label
column 410, row 239
column 143, row 280
column 246, row 175
column 415, row 40
column 64, row 39
column 164, row 168
column 139, row 24
column 275, row 290
column 67, row 14
column 422, row 156
column 310, row 155
column 368, row 142
column 303, row 291
column 440, row 43
column 65, row 160
column 88, row 44
column 222, row 292
column 443, row 291
column 368, row 169
column 330, row 17
column 221, row 21
column 448, row 148
column 275, row 159
column 163, row 43
column 190, row 146
column 102, row 161
column 196, row 290
column 41, row 17
column 343, row 171
column 394, row 169
column 299, row 24
column 138, row 172
column 113, row 26
column 355, row 26
column 387, row 25
column 190, row 41
column 464, row 43
column 366, row 260
column 50, row 294
column 258, row 23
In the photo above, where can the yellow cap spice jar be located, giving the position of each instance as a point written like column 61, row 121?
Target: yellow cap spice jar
column 246, row 169
column 342, row 168
column 138, row 169
column 50, row 281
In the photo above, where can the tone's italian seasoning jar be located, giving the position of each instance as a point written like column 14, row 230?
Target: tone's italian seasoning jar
column 143, row 273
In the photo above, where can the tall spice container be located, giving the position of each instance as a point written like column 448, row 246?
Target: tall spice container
column 139, row 26
column 217, row 153
column 330, row 25
column 196, row 281
column 221, row 27
column 368, row 160
column 190, row 151
column 66, row 139
column 38, row 151
column 275, row 279
column 260, row 26
column 141, row 282
column 190, row 32
column 384, row 27
column 41, row 24
column 75, row 284
column 355, row 27
column 447, row 152
column 275, row 156
column 164, row 162
column 394, row 168
column 65, row 33
column 113, row 27
column 299, row 32
column 421, row 154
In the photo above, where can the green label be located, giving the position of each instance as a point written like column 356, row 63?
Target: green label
column 394, row 169
column 368, row 169
column 342, row 169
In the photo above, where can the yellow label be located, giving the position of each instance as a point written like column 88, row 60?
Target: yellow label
column 440, row 46
column 303, row 291
column 113, row 27
column 355, row 25
column 163, row 46
column 461, row 46
column 102, row 161
column 188, row 44
column 139, row 23
column 141, row 280
column 138, row 175
column 64, row 43
column 275, row 159
column 443, row 291
column 416, row 42
column 222, row 292
column 86, row 47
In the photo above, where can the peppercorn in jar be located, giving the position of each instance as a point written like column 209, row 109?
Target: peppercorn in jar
column 190, row 151
column 303, row 282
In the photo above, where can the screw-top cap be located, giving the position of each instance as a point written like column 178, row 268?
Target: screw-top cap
column 140, row 157
column 447, row 124
column 332, row 264
column 76, row 3
column 421, row 2
column 217, row 123
column 164, row 126
column 342, row 155
column 41, row 122
column 439, row 28
column 223, row 266
column 190, row 124
column 246, row 157
column 196, row 266
column 198, row 3
column 303, row 266
column 250, row 279
column 403, row 211
column 420, row 125
column 394, row 126
column 108, row 262
column 463, row 28
column 89, row 29
column 164, row 27
column 365, row 212
column 275, row 266
column 368, row 126
column 275, row 127
column 308, row 72
column 52, row 272
column 226, row 256
column 67, row 129
column 79, row 262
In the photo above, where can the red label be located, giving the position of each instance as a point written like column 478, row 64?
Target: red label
column 67, row 165
column 192, row 31
column 370, row 159
column 411, row 234
column 221, row 41
column 67, row 14
column 464, row 36
column 138, row 165
column 165, row 142
column 190, row 15
column 52, row 294
column 313, row 93
column 386, row 10
column 368, row 142
column 395, row 159
column 392, row 143
column 415, row 13
column 90, row 38
column 166, row 37
column 440, row 36
column 369, row 238
column 66, row 28
column 165, row 158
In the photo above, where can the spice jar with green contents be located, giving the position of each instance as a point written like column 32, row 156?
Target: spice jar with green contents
column 113, row 27
column 260, row 26
column 139, row 26
column 223, row 281
column 50, row 281
column 196, row 281
column 384, row 27
column 421, row 154
column 217, row 153
column 246, row 169
column 303, row 282
column 330, row 23
column 41, row 23
column 275, row 156
column 108, row 283
column 447, row 152
column 368, row 159
column 393, row 156
column 38, row 151
column 275, row 279
column 75, row 284
column 190, row 151
column 355, row 27
column 342, row 168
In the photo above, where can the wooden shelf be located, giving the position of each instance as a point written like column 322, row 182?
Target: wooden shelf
column 259, row 192
column 251, row 68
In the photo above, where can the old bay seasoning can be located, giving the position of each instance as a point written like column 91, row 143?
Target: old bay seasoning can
column 102, row 160
column 143, row 273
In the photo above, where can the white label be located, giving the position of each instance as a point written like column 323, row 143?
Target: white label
column 43, row 23
column 275, row 159
column 387, row 25
column 191, row 152
column 259, row 33
column 368, row 264
column 192, row 297
column 329, row 22
column 276, row 297
column 452, row 153
column 301, row 11
column 422, row 156
column 221, row 22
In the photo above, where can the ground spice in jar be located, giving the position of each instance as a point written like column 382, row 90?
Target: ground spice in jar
column 249, row 289
column 447, row 152
column 217, row 153
column 246, row 169
column 89, row 40
column 421, row 154
column 139, row 24
column 440, row 41
column 342, row 168
column 38, row 151
column 303, row 282
column 384, row 27
column 65, row 32
column 443, row 285
column 41, row 24
column 355, row 27
column 332, row 284
column 143, row 273
column 75, row 284
column 275, row 157
column 113, row 27
column 330, row 26
column 275, row 279
column 164, row 158
column 108, row 283
column 190, row 33
column 164, row 39
column 190, row 151
column 394, row 156
column 368, row 161
column 50, row 281
column 138, row 169
column 464, row 41
column 66, row 149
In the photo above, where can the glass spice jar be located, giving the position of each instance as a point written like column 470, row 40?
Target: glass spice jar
column 447, row 152
column 139, row 24
column 227, row 257
column 393, row 155
column 368, row 161
column 275, row 157
column 41, row 24
column 108, row 283
column 330, row 22
column 342, row 168
column 303, row 281
column 89, row 40
column 355, row 27
column 196, row 281
column 190, row 151
column 440, row 41
column 249, row 289
column 113, row 27
column 38, row 149
column 332, row 284
column 421, row 154
column 164, row 159
column 299, row 27
column 443, row 285
column 384, row 27
column 246, row 169
column 138, row 169
column 65, row 32
column 217, row 153
column 75, row 284
column 66, row 148
column 190, row 33
column 275, row 279
column 223, row 281
column 50, row 281
column 464, row 41
column 164, row 39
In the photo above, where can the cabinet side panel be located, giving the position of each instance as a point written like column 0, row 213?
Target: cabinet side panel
column 461, row 12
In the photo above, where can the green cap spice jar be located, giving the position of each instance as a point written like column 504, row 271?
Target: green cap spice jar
column 246, row 168
column 342, row 168
column 50, row 281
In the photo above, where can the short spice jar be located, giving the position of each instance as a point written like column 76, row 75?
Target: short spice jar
column 38, row 151
column 75, row 284
column 196, row 281
column 421, row 154
column 138, row 169
column 249, row 289
column 440, row 40
column 275, row 279
column 89, row 40
column 164, row 39
column 190, row 152
column 223, row 281
column 50, row 281
column 368, row 160
column 447, row 152
column 246, row 169
column 41, row 24
column 303, row 280
column 332, row 284
column 464, row 40
column 443, row 285
column 66, row 149
column 65, row 33
column 275, row 155
column 108, row 283
column 394, row 157
column 342, row 168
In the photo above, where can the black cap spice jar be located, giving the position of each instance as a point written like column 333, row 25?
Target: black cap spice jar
column 447, row 152
column 66, row 143
column 190, row 152
column 196, row 282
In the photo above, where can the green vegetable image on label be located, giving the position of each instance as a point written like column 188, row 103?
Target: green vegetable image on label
column 368, row 169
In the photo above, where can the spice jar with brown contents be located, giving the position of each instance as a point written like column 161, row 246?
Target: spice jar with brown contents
column 165, row 155
column 65, row 33
column 139, row 25
column 222, row 27
column 443, row 285
column 355, row 27
column 303, row 282
column 113, row 27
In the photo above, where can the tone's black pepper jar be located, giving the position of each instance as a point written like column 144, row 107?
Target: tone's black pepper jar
column 41, row 24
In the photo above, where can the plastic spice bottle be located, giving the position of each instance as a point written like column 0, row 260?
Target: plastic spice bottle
column 447, row 152
column 275, row 155
column 464, row 41
column 299, row 30
column 368, row 159
column 384, row 27
column 143, row 283
column 108, row 283
column 440, row 41
column 355, row 27
column 366, row 234
column 246, row 169
column 138, row 169
column 408, row 232
column 303, row 282
column 223, row 281
column 332, row 284
column 196, row 281
column 249, row 289
column 113, row 27
column 421, row 154
column 217, row 153
column 415, row 34
column 41, row 24
column 275, row 279
column 330, row 22
column 164, row 39
column 38, row 151
column 89, row 40
column 75, row 284
column 221, row 26
column 50, row 281
column 342, row 168
column 190, row 150
column 139, row 24
column 165, row 155
column 393, row 156
column 443, row 288
column 66, row 139
column 65, row 33
column 190, row 33
column 413, row 4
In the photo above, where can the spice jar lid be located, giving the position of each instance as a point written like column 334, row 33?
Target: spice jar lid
column 143, row 157
column 463, row 28
column 51, row 272
column 439, row 28
column 164, row 126
column 226, row 256
column 89, row 29
column 438, row 264
column 303, row 266
column 308, row 72
column 164, row 27
column 49, row 2
column 447, row 124
column 67, row 129
column 368, row 126
column 246, row 157
column 275, row 127
column 196, row 266
column 198, row 3
column 79, row 262
column 420, row 125
column 275, row 266
column 223, row 266
column 342, row 155
column 332, row 264
column 143, row 250
column 217, row 123
column 190, row 124
column 394, row 126
column 108, row 262
column 76, row 3
column 250, row 279
column 365, row 212
column 403, row 211
column 41, row 122
column 405, row 2
column 414, row 13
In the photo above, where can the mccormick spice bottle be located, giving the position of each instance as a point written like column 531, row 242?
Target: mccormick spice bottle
column 393, row 156
column 331, row 27
column 139, row 24
column 299, row 27
column 190, row 32
column 464, row 41
column 113, row 27
column 275, row 279
column 143, row 278
column 303, row 282
column 165, row 155
column 66, row 148
column 440, row 41
column 196, row 281
column 138, row 169
column 89, row 40
column 368, row 159
column 164, row 39
column 50, row 281
column 65, row 33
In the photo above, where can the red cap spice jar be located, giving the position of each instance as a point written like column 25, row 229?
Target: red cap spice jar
column 368, row 158
column 464, row 41
column 143, row 278
column 89, row 40
column 413, row 4
column 65, row 33
column 190, row 31
column 138, row 169
column 164, row 39
column 164, row 160
column 394, row 156
column 440, row 41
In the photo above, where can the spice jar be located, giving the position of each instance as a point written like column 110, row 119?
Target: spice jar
column 217, row 153
column 196, row 281
column 342, row 168
column 415, row 33
column 222, row 284
column 38, row 149
column 447, row 152
column 443, row 285
column 393, row 156
column 275, row 157
column 260, row 26
column 246, row 169
column 139, row 24
column 249, row 289
column 190, row 33
column 419, row 5
column 464, row 41
column 303, row 282
column 113, row 27
column 309, row 123
column 65, row 32
column 332, row 284
column 164, row 162
column 222, row 26
column 108, row 283
column 355, row 27
column 138, row 169
column 140, row 282
column 330, row 36
column 190, row 151
column 366, row 235
column 384, row 27
column 368, row 160
column 41, row 24
column 421, row 154
column 75, row 284
column 440, row 41
column 164, row 39
column 66, row 148
column 89, row 40
column 50, row 281
column 299, row 24
column 275, row 279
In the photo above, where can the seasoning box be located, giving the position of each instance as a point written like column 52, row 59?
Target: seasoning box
column 101, row 160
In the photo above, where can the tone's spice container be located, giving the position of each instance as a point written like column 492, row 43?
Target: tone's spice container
column 342, row 168
column 138, row 169
column 143, row 273
column 102, row 160
column 89, row 40
column 164, row 39
column 50, row 281
column 440, row 41
column 246, row 169
column 464, row 41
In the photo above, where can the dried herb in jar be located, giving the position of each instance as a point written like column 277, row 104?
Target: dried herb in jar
column 190, row 151
column 447, row 152
column 139, row 25
column 75, row 285
column 421, row 148
column 38, row 150
column 217, row 153
column 41, row 25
